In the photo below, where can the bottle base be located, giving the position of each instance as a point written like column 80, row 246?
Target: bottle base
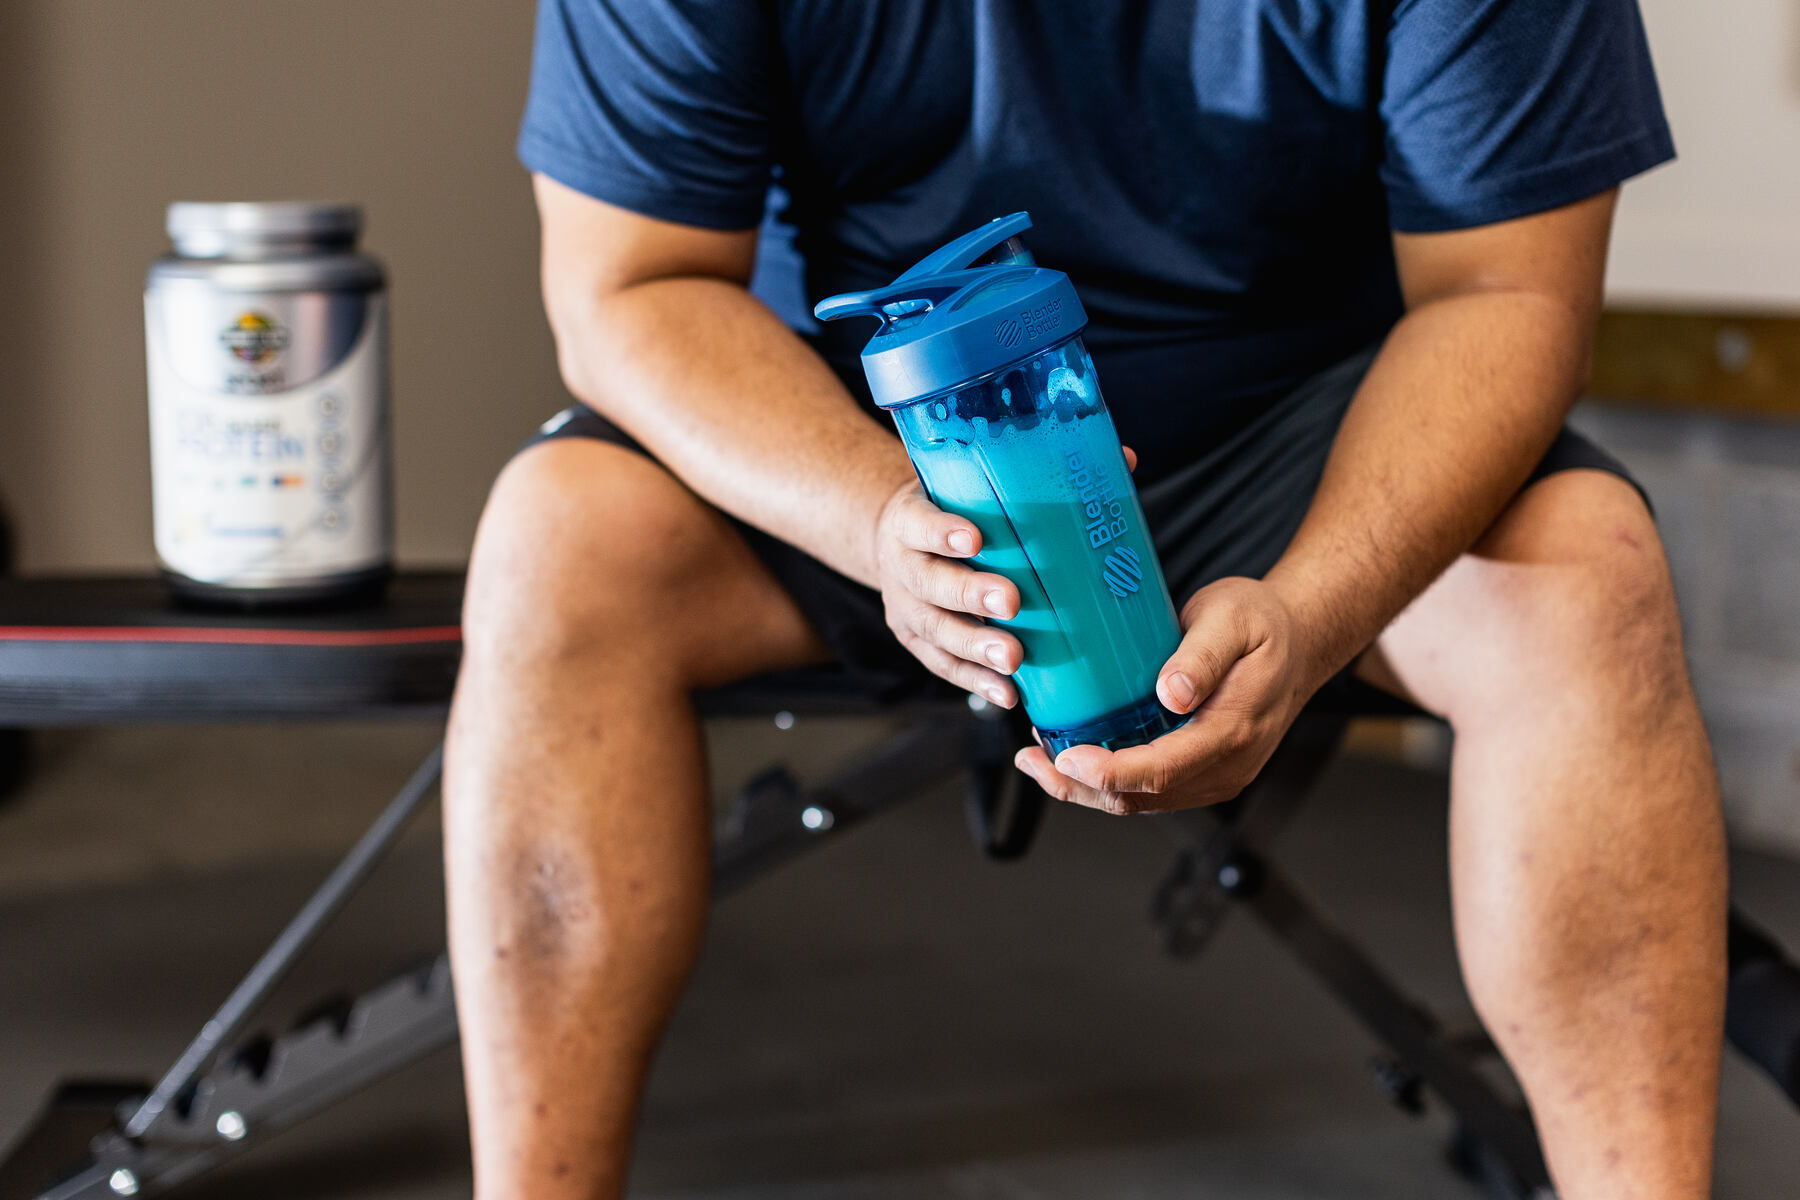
column 357, row 590
column 1132, row 725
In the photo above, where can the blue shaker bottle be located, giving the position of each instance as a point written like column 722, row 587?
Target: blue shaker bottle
column 979, row 358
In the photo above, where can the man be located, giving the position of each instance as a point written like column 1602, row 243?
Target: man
column 1343, row 260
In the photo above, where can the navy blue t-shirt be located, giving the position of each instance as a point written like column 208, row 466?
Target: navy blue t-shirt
column 1218, row 177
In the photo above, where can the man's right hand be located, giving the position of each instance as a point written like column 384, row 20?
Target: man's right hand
column 933, row 598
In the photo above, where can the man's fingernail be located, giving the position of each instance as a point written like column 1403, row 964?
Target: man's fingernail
column 1066, row 765
column 961, row 542
column 1180, row 689
column 996, row 602
column 996, row 654
column 997, row 695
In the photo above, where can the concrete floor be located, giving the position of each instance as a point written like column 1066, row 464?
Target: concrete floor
column 891, row 1017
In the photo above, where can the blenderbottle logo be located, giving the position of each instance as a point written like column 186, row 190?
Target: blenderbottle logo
column 1096, row 493
column 1123, row 572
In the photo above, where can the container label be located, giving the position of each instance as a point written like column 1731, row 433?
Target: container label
column 257, row 484
column 256, row 340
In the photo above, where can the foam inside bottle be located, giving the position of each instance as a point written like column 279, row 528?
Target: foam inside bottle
column 1030, row 457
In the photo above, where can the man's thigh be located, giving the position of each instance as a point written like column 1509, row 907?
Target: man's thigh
column 1234, row 510
column 1565, row 599
column 589, row 552
column 846, row 620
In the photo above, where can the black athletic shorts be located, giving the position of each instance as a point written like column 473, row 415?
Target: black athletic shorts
column 1230, row 512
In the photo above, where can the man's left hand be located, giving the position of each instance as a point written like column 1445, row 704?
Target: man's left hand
column 1242, row 669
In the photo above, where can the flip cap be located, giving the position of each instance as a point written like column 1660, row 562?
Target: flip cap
column 966, row 310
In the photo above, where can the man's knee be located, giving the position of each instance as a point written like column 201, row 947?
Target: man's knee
column 580, row 552
column 1574, row 604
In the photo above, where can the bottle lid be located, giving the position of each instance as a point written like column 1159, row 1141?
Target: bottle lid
column 968, row 309
column 202, row 230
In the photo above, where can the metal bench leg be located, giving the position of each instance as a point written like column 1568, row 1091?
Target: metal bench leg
column 774, row 818
column 1497, row 1137
column 1220, row 865
column 210, row 1106
column 193, row 1117
column 300, row 932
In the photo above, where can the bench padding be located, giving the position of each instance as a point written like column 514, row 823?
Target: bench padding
column 102, row 650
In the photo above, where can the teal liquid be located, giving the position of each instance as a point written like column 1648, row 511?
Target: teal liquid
column 1044, row 480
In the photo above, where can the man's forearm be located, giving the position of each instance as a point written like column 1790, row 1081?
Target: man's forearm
column 1463, row 400
column 741, row 410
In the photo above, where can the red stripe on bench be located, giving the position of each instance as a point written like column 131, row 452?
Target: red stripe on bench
column 233, row 637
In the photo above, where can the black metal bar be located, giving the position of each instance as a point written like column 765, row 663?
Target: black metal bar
column 1277, row 793
column 236, row 1104
column 1391, row 1017
column 896, row 770
column 92, row 1181
column 1002, row 805
column 1189, row 906
column 319, row 908
column 306, row 1070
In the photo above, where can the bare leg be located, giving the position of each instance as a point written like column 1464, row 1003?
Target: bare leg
column 601, row 592
column 1586, row 845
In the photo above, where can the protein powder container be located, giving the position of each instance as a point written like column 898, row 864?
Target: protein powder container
column 267, row 341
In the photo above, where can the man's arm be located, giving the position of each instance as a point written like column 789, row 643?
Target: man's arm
column 1464, row 398
column 657, row 330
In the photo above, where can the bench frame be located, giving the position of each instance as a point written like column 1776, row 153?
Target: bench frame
column 225, row 1094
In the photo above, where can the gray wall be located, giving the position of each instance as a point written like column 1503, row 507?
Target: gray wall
column 115, row 107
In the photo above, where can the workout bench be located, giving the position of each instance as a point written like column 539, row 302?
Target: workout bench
column 115, row 651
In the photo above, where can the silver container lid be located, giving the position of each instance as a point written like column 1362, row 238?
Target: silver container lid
column 259, row 230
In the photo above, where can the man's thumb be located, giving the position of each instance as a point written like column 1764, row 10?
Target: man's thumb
column 1207, row 651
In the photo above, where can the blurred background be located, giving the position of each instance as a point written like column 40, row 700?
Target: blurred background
column 114, row 108
column 409, row 108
